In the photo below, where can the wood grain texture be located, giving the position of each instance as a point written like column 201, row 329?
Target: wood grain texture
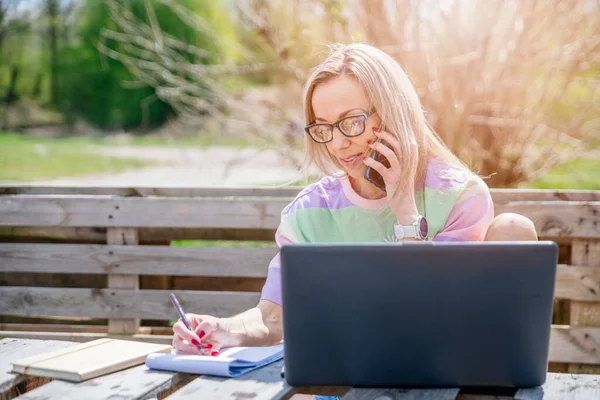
column 567, row 344
column 552, row 218
column 402, row 394
column 116, row 280
column 261, row 384
column 119, row 303
column 563, row 386
column 572, row 344
column 572, row 282
column 499, row 195
column 558, row 219
column 81, row 337
column 135, row 383
column 108, row 211
column 156, row 236
column 136, row 260
column 12, row 349
column 586, row 252
column 580, row 283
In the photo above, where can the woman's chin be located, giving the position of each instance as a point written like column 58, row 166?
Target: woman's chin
column 356, row 172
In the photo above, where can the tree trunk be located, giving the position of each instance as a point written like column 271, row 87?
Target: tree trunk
column 52, row 8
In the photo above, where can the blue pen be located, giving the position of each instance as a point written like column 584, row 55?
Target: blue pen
column 183, row 316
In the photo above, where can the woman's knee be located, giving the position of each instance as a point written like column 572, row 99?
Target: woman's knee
column 511, row 227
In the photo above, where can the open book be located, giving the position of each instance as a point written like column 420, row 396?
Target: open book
column 232, row 362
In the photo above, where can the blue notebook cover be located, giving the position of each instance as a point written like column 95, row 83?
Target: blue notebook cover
column 231, row 362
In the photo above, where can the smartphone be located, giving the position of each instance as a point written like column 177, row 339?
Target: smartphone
column 373, row 176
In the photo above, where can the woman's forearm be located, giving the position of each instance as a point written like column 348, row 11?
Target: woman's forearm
column 259, row 326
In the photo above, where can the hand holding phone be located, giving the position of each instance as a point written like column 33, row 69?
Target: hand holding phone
column 373, row 176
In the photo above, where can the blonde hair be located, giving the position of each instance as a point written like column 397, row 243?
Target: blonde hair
column 392, row 95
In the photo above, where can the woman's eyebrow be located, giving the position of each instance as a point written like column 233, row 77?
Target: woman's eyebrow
column 342, row 115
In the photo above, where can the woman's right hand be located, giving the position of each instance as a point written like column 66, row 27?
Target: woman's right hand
column 211, row 332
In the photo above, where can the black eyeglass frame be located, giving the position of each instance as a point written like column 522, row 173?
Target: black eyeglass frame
column 337, row 125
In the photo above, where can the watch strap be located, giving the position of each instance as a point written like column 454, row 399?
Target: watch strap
column 405, row 231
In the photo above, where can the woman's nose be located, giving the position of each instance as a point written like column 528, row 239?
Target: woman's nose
column 339, row 140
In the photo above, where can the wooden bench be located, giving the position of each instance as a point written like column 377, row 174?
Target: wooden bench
column 78, row 263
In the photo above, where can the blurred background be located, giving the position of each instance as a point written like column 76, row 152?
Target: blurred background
column 209, row 92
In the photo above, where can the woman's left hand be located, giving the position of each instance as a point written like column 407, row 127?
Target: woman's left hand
column 399, row 185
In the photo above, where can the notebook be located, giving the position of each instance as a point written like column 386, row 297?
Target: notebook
column 231, row 362
column 88, row 360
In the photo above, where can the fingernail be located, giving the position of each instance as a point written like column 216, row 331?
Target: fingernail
column 208, row 346
column 202, row 334
column 214, row 353
column 195, row 343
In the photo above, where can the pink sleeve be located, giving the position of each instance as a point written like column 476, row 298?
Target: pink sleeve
column 470, row 216
column 272, row 288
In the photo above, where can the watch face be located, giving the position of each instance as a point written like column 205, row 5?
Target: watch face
column 423, row 227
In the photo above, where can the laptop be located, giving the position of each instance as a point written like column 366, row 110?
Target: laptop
column 418, row 314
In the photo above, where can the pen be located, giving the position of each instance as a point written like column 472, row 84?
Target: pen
column 182, row 315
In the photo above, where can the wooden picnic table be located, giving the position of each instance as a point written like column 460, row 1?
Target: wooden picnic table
column 266, row 383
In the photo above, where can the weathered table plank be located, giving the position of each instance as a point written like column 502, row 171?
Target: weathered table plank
column 402, row 394
column 564, row 386
column 137, row 383
column 15, row 349
column 264, row 383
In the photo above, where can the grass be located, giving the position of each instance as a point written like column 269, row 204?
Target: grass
column 577, row 174
column 161, row 141
column 25, row 158
column 28, row 158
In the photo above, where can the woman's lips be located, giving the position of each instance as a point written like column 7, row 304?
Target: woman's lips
column 351, row 160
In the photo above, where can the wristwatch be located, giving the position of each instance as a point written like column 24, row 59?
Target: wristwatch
column 418, row 230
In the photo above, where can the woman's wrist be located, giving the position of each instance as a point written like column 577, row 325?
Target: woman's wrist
column 407, row 215
column 241, row 332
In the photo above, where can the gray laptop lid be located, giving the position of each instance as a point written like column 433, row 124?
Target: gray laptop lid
column 418, row 314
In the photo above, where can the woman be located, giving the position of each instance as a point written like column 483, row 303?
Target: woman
column 356, row 96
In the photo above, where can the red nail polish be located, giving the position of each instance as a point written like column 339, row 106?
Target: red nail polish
column 195, row 342
column 214, row 353
column 208, row 346
column 202, row 334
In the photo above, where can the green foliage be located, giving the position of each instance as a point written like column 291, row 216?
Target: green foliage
column 24, row 158
column 577, row 174
column 92, row 85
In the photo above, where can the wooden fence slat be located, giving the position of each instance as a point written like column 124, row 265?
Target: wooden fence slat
column 499, row 195
column 552, row 219
column 580, row 283
column 579, row 345
column 261, row 384
column 558, row 219
column 81, row 337
column 136, row 260
column 586, row 252
column 254, row 191
column 106, row 211
column 122, row 236
column 119, row 303
column 156, row 236
column 574, row 344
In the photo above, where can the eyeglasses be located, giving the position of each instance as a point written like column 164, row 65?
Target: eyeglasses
column 349, row 126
